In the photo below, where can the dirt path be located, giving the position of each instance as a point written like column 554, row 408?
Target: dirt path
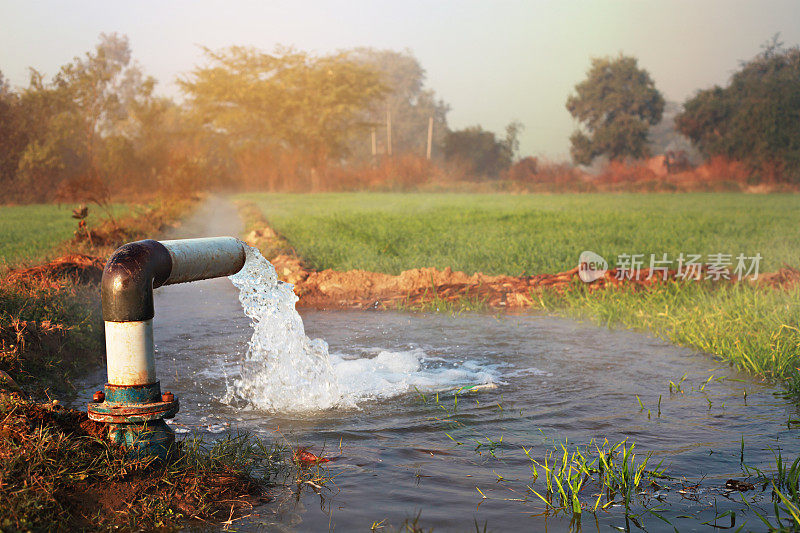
column 216, row 216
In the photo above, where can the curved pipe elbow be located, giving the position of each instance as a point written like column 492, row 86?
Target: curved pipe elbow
column 129, row 277
column 135, row 269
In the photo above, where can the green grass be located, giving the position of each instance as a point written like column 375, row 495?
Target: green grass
column 512, row 234
column 785, row 482
column 30, row 233
column 613, row 473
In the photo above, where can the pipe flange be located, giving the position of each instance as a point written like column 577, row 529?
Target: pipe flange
column 132, row 413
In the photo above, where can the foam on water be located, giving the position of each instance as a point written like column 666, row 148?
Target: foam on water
column 391, row 373
column 283, row 370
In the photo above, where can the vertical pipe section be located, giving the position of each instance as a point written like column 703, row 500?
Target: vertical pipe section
column 130, row 353
column 129, row 277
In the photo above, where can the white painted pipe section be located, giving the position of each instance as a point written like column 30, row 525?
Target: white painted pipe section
column 196, row 259
column 129, row 353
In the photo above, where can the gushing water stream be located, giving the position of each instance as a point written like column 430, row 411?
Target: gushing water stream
column 285, row 371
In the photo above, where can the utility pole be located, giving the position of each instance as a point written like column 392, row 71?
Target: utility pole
column 388, row 131
column 430, row 137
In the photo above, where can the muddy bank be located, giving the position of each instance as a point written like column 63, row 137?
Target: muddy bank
column 361, row 289
column 59, row 471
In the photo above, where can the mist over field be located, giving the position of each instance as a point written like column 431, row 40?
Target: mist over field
column 311, row 110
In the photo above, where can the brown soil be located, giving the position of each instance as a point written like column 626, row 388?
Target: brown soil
column 72, row 268
column 362, row 289
column 127, row 489
column 29, row 417
column 785, row 278
column 228, row 492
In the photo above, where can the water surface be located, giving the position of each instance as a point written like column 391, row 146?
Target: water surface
column 541, row 380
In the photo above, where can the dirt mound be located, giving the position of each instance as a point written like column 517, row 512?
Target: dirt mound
column 785, row 278
column 290, row 268
column 30, row 417
column 109, row 234
column 212, row 495
column 75, row 268
column 362, row 289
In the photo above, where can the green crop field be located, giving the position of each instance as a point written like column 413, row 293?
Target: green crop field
column 30, row 233
column 512, row 234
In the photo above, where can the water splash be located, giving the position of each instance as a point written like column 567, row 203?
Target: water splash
column 285, row 371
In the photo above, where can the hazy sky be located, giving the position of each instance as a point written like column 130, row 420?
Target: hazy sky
column 492, row 61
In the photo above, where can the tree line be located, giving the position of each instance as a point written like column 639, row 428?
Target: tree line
column 755, row 119
column 281, row 120
column 290, row 120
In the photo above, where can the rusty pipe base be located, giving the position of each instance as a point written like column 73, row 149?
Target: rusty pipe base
column 146, row 440
column 135, row 418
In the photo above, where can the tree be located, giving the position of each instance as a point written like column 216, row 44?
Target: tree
column 79, row 122
column 12, row 132
column 56, row 150
column 105, row 87
column 756, row 118
column 410, row 104
column 617, row 103
column 284, row 100
column 481, row 151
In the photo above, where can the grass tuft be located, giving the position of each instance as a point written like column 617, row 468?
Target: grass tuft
column 610, row 469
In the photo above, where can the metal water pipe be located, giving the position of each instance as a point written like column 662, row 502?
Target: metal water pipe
column 132, row 403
